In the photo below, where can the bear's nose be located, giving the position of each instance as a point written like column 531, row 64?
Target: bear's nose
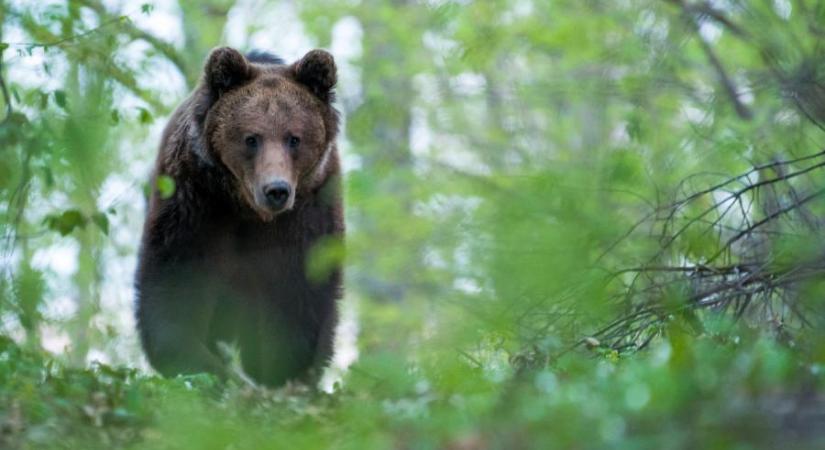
column 277, row 194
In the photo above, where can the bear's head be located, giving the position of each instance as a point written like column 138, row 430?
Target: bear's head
column 272, row 126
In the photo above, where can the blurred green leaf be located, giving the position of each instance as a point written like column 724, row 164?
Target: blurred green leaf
column 145, row 116
column 66, row 222
column 166, row 186
column 44, row 100
column 326, row 256
column 60, row 98
column 102, row 221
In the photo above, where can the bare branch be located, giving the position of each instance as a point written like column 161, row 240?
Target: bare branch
column 727, row 83
column 770, row 217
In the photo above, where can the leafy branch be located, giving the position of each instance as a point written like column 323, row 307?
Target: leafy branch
column 124, row 25
column 128, row 27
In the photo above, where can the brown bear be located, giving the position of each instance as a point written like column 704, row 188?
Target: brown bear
column 257, row 184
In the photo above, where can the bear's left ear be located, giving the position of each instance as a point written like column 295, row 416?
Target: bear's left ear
column 316, row 70
column 226, row 68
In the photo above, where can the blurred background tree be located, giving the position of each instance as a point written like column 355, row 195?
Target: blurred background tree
column 570, row 223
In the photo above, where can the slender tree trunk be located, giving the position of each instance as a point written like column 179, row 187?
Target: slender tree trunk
column 89, row 155
column 203, row 26
column 380, row 131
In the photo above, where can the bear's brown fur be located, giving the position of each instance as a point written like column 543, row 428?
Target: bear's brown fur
column 253, row 156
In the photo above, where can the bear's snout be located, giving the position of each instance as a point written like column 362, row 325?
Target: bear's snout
column 277, row 194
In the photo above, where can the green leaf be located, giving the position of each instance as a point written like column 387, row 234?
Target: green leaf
column 147, row 8
column 145, row 116
column 102, row 221
column 166, row 186
column 66, row 222
column 324, row 257
column 44, row 100
column 3, row 46
column 115, row 116
column 60, row 98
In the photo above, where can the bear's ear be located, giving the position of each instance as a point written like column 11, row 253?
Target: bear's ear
column 226, row 68
column 316, row 70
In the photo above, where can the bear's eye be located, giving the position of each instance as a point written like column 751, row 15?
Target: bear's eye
column 251, row 141
column 293, row 142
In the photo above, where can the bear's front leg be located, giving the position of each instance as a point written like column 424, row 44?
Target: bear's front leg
column 172, row 350
column 174, row 328
column 275, row 350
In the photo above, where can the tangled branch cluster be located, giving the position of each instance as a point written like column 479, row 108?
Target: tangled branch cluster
column 748, row 247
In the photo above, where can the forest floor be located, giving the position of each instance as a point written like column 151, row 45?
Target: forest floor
column 746, row 397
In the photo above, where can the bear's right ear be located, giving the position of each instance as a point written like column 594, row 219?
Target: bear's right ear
column 226, row 68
